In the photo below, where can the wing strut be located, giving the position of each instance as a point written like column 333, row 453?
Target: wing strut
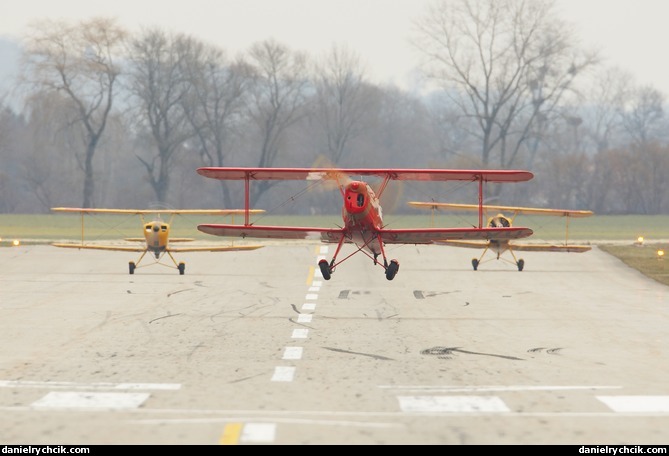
column 247, row 187
column 480, row 201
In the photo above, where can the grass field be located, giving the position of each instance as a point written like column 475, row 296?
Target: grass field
column 616, row 235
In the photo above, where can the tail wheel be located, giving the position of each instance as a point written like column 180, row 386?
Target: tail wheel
column 131, row 267
column 521, row 264
column 475, row 264
column 182, row 268
column 392, row 269
column 325, row 269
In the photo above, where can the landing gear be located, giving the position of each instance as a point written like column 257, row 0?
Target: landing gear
column 326, row 272
column 392, row 269
column 182, row 268
column 131, row 267
column 475, row 264
column 521, row 264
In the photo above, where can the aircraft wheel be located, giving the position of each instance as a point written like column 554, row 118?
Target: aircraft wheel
column 182, row 268
column 392, row 269
column 131, row 267
column 521, row 264
column 325, row 269
column 475, row 264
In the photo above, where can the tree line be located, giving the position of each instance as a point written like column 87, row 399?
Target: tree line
column 114, row 119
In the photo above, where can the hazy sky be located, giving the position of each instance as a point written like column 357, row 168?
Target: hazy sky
column 631, row 34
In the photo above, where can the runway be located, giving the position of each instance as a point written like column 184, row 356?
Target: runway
column 255, row 348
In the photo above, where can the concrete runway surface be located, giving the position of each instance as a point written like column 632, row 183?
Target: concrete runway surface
column 255, row 348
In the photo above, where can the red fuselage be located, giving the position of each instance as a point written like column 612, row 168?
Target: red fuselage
column 362, row 215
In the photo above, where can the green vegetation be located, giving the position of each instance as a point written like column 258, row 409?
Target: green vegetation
column 615, row 235
column 644, row 258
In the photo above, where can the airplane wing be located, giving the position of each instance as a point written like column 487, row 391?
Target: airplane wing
column 227, row 248
column 396, row 236
column 388, row 173
column 123, row 248
column 85, row 210
column 120, row 248
column 569, row 248
column 529, row 247
column 514, row 209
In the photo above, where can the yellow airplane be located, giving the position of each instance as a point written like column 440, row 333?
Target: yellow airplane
column 499, row 246
column 156, row 234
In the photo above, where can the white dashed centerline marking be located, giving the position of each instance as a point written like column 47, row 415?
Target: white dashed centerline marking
column 308, row 306
column 304, row 318
column 283, row 374
column 292, row 353
column 300, row 333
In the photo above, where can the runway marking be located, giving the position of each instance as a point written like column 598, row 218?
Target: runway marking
column 89, row 386
column 231, row 433
column 365, row 424
column 636, row 403
column 324, row 249
column 311, row 296
column 79, row 400
column 292, row 353
column 258, row 433
column 452, row 404
column 317, row 283
column 304, row 318
column 314, row 288
column 300, row 333
column 308, row 306
column 474, row 389
column 283, row 374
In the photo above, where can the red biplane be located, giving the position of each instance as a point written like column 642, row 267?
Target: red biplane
column 362, row 212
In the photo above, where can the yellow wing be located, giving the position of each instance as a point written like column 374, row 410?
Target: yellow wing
column 120, row 248
column 85, row 210
column 514, row 209
column 530, row 247
column 123, row 248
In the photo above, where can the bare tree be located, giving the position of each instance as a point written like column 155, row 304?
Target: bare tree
column 643, row 115
column 279, row 97
column 505, row 63
column 344, row 101
column 80, row 62
column 216, row 104
column 159, row 85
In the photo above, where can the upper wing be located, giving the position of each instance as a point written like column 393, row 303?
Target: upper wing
column 120, row 248
column 85, row 210
column 338, row 173
column 514, row 209
column 399, row 236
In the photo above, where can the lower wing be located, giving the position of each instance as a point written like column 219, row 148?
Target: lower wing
column 399, row 236
column 119, row 248
column 469, row 244
column 439, row 235
column 228, row 248
column 273, row 232
column 551, row 248
column 535, row 247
